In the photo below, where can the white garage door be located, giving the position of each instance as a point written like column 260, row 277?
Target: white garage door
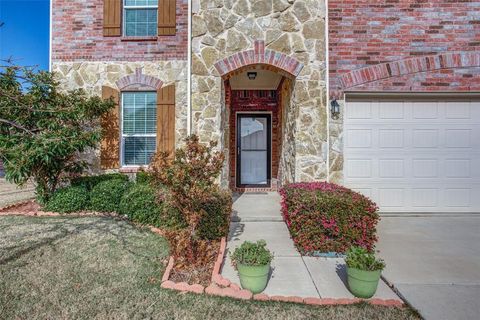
column 419, row 155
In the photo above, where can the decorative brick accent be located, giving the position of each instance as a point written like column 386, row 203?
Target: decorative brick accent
column 138, row 78
column 404, row 46
column 409, row 66
column 259, row 55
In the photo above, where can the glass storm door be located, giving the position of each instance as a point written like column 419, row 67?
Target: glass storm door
column 253, row 150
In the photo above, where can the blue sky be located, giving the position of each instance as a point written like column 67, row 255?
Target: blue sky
column 25, row 33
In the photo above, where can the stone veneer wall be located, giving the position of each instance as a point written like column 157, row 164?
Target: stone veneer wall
column 296, row 28
column 92, row 75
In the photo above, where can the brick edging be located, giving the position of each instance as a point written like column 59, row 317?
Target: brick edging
column 221, row 286
column 11, row 205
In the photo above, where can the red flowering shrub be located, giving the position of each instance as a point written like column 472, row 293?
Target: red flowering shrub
column 325, row 217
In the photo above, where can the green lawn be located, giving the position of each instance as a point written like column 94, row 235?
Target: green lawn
column 101, row 268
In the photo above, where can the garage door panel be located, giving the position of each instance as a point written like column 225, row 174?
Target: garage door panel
column 414, row 155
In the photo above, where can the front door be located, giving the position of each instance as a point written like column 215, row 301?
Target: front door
column 253, row 150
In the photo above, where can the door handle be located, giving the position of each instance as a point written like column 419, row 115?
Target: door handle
column 238, row 150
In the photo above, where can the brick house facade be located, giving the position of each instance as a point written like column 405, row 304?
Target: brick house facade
column 264, row 62
column 406, row 75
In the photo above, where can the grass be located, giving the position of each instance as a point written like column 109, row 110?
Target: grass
column 102, row 268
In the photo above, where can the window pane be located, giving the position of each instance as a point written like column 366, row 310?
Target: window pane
column 138, row 150
column 141, row 2
column 139, row 113
column 141, row 22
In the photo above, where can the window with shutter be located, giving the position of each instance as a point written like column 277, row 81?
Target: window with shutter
column 166, row 119
column 112, row 18
column 139, row 127
column 110, row 122
column 167, row 17
column 140, row 17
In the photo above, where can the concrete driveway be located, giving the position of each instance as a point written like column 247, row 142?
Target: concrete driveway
column 434, row 263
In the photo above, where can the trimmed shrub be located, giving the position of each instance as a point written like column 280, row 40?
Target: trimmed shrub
column 89, row 182
column 106, row 195
column 69, row 199
column 143, row 177
column 140, row 204
column 215, row 223
column 325, row 217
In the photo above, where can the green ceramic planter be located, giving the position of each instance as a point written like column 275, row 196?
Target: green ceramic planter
column 363, row 284
column 253, row 278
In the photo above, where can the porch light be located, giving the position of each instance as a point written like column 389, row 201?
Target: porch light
column 334, row 109
column 252, row 75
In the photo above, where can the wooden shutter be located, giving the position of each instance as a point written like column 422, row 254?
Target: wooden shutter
column 110, row 145
column 112, row 18
column 167, row 17
column 166, row 119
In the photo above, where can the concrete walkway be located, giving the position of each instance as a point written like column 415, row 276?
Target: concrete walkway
column 10, row 193
column 434, row 262
column 257, row 216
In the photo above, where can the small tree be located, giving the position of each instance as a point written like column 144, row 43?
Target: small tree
column 190, row 178
column 42, row 129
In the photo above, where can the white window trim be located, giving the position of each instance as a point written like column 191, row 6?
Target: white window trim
column 124, row 24
column 122, row 135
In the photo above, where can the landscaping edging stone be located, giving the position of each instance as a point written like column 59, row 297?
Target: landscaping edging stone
column 221, row 286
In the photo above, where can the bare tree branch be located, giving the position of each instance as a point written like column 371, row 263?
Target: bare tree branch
column 15, row 125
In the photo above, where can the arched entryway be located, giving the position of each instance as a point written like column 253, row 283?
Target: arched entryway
column 259, row 125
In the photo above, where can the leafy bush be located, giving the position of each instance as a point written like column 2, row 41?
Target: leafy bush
column 215, row 223
column 190, row 178
column 140, row 204
column 69, row 199
column 325, row 217
column 143, row 177
column 43, row 128
column 360, row 258
column 89, row 182
column 106, row 195
column 252, row 254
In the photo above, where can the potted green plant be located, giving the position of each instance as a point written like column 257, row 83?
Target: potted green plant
column 252, row 261
column 363, row 272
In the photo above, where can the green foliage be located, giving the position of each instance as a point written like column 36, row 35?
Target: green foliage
column 69, row 199
column 190, row 179
column 252, row 254
column 360, row 258
column 89, row 182
column 325, row 217
column 106, row 195
column 42, row 129
column 141, row 205
column 144, row 177
column 215, row 223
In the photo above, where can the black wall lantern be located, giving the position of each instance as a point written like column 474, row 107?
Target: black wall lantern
column 334, row 109
column 251, row 75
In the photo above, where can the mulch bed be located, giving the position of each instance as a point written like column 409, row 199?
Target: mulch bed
column 200, row 273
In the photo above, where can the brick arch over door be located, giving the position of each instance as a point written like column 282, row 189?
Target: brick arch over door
column 407, row 66
column 259, row 56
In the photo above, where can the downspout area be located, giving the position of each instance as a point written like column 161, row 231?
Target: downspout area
column 327, row 72
column 189, row 69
